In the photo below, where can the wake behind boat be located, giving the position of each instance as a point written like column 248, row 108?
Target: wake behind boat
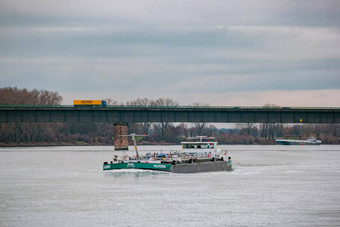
column 198, row 154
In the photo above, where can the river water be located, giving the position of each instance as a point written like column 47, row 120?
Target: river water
column 270, row 185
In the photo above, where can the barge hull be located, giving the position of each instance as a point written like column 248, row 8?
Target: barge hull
column 136, row 165
column 210, row 166
column 282, row 142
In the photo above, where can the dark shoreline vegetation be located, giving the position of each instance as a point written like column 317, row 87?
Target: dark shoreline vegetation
column 160, row 133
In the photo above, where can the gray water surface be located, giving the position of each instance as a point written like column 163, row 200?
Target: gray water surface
column 270, row 185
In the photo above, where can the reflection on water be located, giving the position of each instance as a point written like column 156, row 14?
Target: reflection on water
column 133, row 173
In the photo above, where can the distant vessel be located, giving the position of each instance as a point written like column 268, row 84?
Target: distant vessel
column 198, row 155
column 309, row 141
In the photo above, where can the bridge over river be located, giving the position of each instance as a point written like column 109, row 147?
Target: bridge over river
column 131, row 114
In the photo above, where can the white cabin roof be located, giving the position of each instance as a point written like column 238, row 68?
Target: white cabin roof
column 198, row 142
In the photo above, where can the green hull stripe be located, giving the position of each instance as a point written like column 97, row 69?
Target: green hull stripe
column 150, row 166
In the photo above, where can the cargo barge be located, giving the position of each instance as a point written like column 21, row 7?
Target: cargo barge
column 309, row 141
column 198, row 154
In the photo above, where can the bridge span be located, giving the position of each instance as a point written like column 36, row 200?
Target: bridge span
column 131, row 114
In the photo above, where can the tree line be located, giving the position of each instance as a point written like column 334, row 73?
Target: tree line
column 157, row 133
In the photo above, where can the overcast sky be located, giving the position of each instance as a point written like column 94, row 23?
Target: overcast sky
column 247, row 53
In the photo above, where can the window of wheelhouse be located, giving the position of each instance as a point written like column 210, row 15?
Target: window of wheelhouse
column 189, row 146
column 199, row 146
column 210, row 145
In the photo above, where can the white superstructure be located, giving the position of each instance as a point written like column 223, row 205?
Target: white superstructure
column 202, row 146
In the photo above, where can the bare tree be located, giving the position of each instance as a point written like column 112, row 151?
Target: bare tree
column 15, row 96
column 140, row 102
column 199, row 126
column 249, row 129
column 270, row 131
column 29, row 132
column 112, row 102
column 144, row 127
column 165, row 102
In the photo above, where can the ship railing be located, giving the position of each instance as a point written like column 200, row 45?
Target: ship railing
column 174, row 154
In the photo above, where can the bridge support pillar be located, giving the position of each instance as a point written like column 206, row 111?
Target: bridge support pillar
column 121, row 142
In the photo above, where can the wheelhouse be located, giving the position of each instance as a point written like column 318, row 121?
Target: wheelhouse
column 199, row 145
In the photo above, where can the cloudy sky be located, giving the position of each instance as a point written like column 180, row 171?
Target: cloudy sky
column 242, row 52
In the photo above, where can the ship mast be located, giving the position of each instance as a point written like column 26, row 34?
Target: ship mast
column 133, row 137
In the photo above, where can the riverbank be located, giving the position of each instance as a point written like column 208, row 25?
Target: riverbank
column 80, row 143
column 45, row 144
column 140, row 143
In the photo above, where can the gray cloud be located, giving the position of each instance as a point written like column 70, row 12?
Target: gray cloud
column 176, row 48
